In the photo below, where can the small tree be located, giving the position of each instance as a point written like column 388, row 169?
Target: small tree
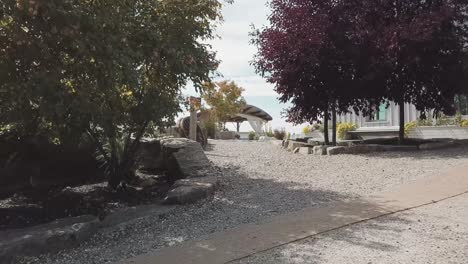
column 224, row 99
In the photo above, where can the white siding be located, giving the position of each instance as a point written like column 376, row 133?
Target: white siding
column 392, row 114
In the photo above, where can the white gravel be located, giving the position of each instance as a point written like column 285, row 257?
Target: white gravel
column 434, row 234
column 260, row 180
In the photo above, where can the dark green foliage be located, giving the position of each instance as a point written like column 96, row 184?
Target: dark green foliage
column 107, row 69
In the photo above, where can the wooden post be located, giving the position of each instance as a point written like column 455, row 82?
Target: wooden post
column 194, row 104
column 193, row 124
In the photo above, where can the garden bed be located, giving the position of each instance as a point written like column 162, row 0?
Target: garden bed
column 34, row 207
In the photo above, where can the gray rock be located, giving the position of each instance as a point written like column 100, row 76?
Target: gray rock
column 336, row 150
column 187, row 194
column 306, row 150
column 314, row 141
column 292, row 145
column 47, row 238
column 437, row 145
column 320, row 150
column 399, row 148
column 184, row 158
column 187, row 191
column 364, row 148
column 150, row 154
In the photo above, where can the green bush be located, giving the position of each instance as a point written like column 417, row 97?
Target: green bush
column 279, row 133
column 464, row 123
column 252, row 135
column 306, row 130
column 342, row 130
column 209, row 128
column 270, row 133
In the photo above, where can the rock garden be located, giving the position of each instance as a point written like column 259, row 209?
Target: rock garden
column 43, row 215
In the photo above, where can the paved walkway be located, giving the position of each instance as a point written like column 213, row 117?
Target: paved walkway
column 246, row 240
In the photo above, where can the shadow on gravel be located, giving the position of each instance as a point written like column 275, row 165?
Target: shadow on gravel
column 240, row 200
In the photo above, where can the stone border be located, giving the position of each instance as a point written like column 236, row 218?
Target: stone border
column 67, row 232
column 306, row 149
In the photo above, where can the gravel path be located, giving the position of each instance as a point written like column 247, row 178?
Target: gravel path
column 260, row 180
column 432, row 234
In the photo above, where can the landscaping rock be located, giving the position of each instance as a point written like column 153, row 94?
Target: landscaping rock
column 187, row 191
column 314, row 141
column 399, row 148
column 150, row 154
column 184, row 158
column 437, row 145
column 306, row 150
column 320, row 150
column 364, row 148
column 189, row 194
column 292, row 145
column 336, row 150
column 48, row 238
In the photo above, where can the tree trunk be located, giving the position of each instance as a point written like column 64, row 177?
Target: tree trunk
column 401, row 134
column 333, row 125
column 325, row 128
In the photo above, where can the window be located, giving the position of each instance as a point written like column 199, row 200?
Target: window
column 380, row 114
column 461, row 104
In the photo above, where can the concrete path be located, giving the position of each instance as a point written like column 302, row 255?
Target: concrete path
column 246, row 240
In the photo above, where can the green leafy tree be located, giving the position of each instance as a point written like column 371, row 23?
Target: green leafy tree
column 225, row 100
column 108, row 69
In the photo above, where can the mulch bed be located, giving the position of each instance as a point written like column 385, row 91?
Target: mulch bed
column 34, row 207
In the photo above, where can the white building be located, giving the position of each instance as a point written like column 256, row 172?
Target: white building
column 385, row 121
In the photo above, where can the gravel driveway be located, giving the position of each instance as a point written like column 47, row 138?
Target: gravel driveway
column 433, row 234
column 259, row 180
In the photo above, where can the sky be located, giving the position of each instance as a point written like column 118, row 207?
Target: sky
column 236, row 53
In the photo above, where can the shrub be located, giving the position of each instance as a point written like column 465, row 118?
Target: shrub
column 410, row 126
column 270, row 133
column 306, row 130
column 464, row 123
column 252, row 135
column 279, row 133
column 342, row 129
column 209, row 128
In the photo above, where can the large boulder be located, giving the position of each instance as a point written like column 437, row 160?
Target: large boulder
column 150, row 154
column 184, row 158
column 48, row 238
